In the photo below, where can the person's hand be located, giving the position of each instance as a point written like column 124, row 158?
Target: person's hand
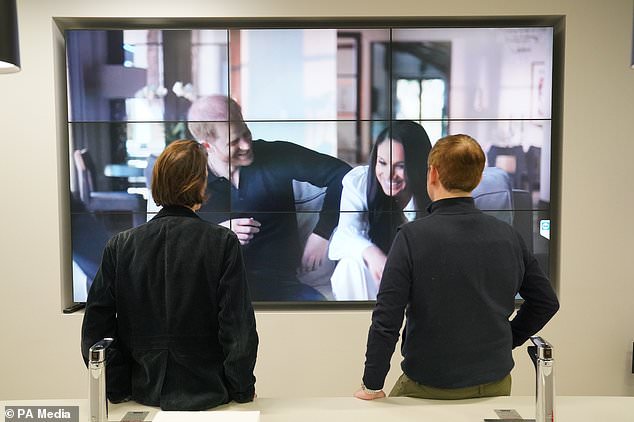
column 244, row 228
column 375, row 260
column 314, row 253
column 364, row 395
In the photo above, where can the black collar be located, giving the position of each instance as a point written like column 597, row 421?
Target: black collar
column 212, row 178
column 176, row 211
column 452, row 205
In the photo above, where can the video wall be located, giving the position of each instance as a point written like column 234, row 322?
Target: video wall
column 321, row 152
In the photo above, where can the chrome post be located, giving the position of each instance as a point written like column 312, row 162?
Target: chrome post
column 97, row 381
column 542, row 355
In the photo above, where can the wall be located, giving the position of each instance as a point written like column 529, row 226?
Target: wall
column 321, row 353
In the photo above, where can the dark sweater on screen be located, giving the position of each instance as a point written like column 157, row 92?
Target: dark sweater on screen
column 265, row 193
column 456, row 273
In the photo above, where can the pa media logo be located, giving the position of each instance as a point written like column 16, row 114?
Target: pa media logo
column 41, row 413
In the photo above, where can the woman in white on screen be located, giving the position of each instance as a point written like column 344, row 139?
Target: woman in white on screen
column 376, row 199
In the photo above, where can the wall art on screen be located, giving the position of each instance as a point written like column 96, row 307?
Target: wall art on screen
column 304, row 123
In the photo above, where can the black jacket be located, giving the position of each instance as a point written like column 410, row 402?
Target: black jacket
column 457, row 271
column 173, row 294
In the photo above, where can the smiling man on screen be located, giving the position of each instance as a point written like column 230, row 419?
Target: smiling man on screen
column 251, row 192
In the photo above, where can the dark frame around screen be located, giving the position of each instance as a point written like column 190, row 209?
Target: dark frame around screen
column 347, row 26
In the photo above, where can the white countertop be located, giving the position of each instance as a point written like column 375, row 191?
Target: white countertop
column 335, row 409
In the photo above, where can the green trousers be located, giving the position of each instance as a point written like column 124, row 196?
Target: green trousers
column 405, row 387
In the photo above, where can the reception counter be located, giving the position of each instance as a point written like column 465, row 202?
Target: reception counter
column 335, row 409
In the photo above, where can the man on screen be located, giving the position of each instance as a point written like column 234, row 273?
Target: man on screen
column 251, row 192
column 457, row 272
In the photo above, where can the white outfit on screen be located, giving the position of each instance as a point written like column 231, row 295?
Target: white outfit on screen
column 351, row 279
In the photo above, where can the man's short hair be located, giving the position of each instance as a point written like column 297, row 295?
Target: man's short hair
column 459, row 160
column 179, row 176
column 206, row 112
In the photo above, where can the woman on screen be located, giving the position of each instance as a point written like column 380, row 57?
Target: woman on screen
column 376, row 199
column 173, row 294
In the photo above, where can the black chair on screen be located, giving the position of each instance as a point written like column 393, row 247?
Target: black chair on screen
column 105, row 201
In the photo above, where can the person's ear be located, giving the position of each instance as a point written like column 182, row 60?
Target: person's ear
column 432, row 185
column 206, row 145
column 433, row 175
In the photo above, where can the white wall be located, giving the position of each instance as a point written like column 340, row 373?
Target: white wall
column 321, row 353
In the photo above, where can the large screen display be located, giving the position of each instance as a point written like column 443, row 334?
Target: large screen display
column 318, row 138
